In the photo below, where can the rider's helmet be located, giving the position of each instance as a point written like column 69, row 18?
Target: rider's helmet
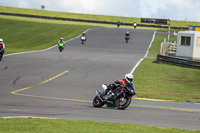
column 61, row 38
column 1, row 40
column 83, row 33
column 129, row 78
column 127, row 32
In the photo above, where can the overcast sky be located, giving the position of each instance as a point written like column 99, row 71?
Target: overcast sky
column 167, row 9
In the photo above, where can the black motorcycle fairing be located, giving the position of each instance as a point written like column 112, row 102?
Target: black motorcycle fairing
column 131, row 89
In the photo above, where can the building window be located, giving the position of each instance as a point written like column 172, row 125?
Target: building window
column 185, row 40
column 198, row 42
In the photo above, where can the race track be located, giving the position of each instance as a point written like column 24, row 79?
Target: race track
column 62, row 85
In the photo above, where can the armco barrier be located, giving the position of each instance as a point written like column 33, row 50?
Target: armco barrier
column 89, row 21
column 184, row 62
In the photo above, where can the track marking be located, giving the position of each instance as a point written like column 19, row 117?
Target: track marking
column 170, row 108
column 148, row 99
column 134, row 68
column 17, row 91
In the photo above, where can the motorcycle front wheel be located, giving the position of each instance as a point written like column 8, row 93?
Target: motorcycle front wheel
column 127, row 40
column 123, row 102
column 1, row 55
column 97, row 102
column 60, row 48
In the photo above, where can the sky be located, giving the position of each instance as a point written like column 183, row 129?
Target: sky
column 185, row 10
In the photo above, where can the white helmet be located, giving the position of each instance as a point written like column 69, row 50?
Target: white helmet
column 1, row 40
column 127, row 32
column 129, row 78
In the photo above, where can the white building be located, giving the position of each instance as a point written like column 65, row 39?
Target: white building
column 188, row 44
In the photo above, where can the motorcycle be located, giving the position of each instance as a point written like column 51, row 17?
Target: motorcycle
column 83, row 39
column 119, row 97
column 127, row 38
column 61, row 46
column 1, row 52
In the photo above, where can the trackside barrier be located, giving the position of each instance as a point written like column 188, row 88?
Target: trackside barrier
column 184, row 62
column 89, row 21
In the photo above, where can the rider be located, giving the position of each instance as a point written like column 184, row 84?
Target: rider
column 61, row 42
column 118, row 24
column 127, row 81
column 83, row 35
column 134, row 25
column 127, row 34
column 3, row 45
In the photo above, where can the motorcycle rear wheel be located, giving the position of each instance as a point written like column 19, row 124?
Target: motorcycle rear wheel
column 123, row 102
column 97, row 102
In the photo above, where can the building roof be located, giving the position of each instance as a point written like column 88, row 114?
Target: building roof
column 189, row 32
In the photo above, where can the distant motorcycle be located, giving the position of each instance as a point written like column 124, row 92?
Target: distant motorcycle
column 83, row 39
column 1, row 52
column 118, row 24
column 127, row 38
column 61, row 46
column 119, row 97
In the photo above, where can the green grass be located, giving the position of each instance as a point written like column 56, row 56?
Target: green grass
column 88, row 17
column 163, row 81
column 155, row 48
column 36, row 125
column 22, row 36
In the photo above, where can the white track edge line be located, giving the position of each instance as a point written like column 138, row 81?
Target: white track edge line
column 132, row 71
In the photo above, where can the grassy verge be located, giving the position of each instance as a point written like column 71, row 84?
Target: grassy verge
column 88, row 17
column 163, row 81
column 22, row 36
column 36, row 125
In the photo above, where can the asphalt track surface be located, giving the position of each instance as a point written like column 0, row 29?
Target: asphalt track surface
column 62, row 85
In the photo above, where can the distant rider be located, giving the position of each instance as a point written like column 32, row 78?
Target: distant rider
column 61, row 42
column 127, row 81
column 83, row 35
column 134, row 25
column 118, row 24
column 127, row 34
